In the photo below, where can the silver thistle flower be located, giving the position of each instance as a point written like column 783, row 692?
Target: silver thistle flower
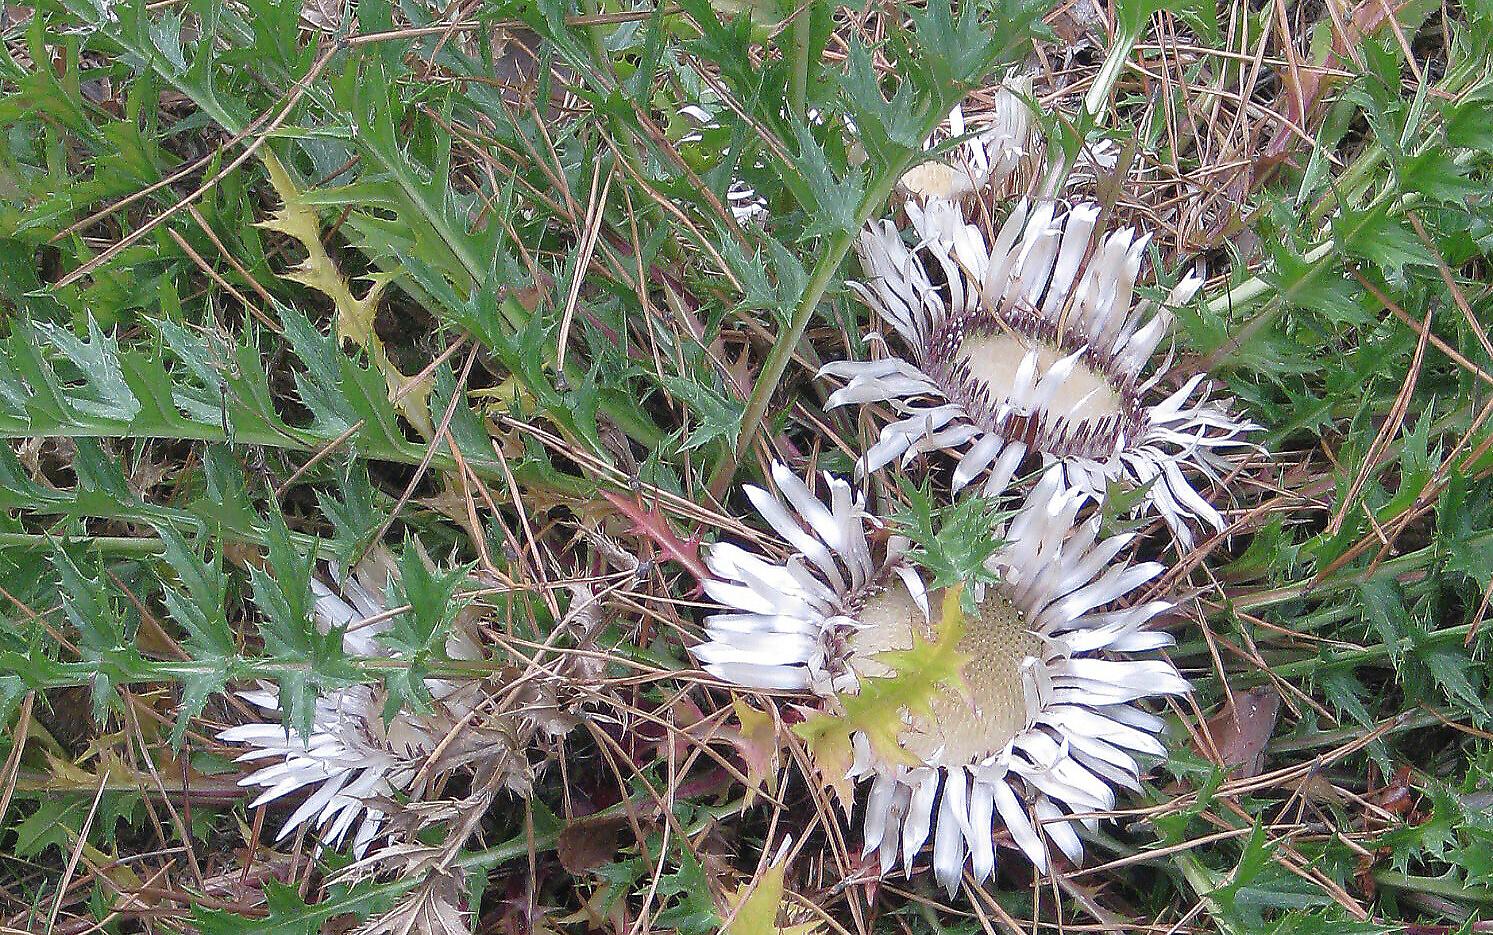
column 1030, row 348
column 352, row 760
column 1046, row 723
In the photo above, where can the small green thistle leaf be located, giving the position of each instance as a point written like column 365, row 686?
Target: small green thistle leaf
column 887, row 129
column 104, row 394
column 950, row 53
column 1458, row 675
column 877, row 709
column 289, row 628
column 694, row 911
column 1382, row 239
column 103, row 637
column 227, row 504
column 197, row 601
column 1122, row 500
column 1383, row 606
column 953, row 542
column 419, row 634
column 832, row 201
column 1463, row 525
column 320, row 385
column 719, row 416
column 289, row 914
column 1131, row 16
column 1438, row 175
column 355, row 518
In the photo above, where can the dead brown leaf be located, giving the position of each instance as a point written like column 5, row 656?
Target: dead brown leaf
column 1241, row 731
column 756, row 741
column 587, row 843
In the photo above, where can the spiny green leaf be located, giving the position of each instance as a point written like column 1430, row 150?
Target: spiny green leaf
column 290, row 630
column 1457, row 674
column 1382, row 239
column 289, row 914
column 1438, row 175
column 1463, row 524
column 105, row 394
column 693, row 912
column 353, row 511
column 831, row 199
column 954, row 542
column 103, row 636
column 719, row 416
column 419, row 634
column 198, row 601
column 1383, row 605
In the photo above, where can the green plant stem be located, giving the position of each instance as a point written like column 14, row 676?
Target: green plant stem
column 1353, row 182
column 1436, row 886
column 1399, row 565
column 1413, row 720
column 1203, row 882
column 491, row 470
column 125, row 545
column 146, row 545
column 802, row 36
column 125, row 666
column 782, row 351
column 778, row 357
column 1394, row 567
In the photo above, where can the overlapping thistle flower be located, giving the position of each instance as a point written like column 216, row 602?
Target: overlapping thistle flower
column 1004, row 154
column 1046, row 722
column 990, row 152
column 987, row 151
column 1029, row 350
column 353, row 760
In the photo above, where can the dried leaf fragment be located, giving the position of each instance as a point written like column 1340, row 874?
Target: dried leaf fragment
column 756, row 907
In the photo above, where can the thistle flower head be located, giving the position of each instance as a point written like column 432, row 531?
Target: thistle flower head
column 1043, row 723
column 1031, row 348
column 995, row 147
column 352, row 760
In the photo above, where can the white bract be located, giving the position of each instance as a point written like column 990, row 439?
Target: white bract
column 1032, row 348
column 1045, row 724
column 351, row 757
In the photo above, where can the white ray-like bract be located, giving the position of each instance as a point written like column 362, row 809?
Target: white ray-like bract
column 1046, row 722
column 352, row 758
column 1030, row 349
